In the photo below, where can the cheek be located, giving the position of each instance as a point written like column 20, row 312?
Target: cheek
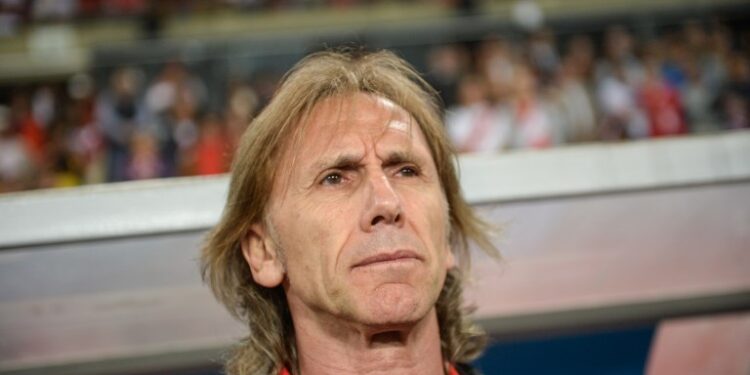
column 431, row 218
column 317, row 235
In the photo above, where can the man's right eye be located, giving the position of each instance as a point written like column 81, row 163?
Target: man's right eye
column 332, row 179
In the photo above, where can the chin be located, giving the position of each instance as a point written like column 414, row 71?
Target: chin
column 394, row 304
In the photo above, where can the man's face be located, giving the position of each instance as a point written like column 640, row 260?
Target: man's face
column 360, row 218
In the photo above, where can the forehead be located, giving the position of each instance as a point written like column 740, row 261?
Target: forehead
column 352, row 123
column 346, row 120
column 360, row 113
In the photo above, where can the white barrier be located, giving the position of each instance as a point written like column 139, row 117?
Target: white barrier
column 103, row 279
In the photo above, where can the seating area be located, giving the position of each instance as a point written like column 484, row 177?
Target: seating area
column 153, row 107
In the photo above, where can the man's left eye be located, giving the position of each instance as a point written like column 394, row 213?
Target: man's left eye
column 408, row 171
column 332, row 179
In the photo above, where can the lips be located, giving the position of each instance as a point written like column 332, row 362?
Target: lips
column 388, row 257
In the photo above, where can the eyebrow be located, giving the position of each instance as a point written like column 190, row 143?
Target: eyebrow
column 398, row 157
column 349, row 161
column 342, row 161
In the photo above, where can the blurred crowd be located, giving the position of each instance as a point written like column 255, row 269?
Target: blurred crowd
column 541, row 92
column 499, row 94
column 127, row 129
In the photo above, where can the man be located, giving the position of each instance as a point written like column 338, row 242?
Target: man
column 344, row 236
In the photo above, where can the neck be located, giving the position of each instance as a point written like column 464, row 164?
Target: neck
column 348, row 349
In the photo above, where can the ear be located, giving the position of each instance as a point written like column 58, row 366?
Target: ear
column 450, row 259
column 263, row 257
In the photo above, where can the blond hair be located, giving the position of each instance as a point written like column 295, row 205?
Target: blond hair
column 321, row 75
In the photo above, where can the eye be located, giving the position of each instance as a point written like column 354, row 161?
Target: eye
column 332, row 179
column 408, row 171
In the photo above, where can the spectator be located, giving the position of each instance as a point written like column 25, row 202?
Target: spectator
column 242, row 104
column 543, row 55
column 576, row 108
column 119, row 113
column 495, row 64
column 698, row 101
column 30, row 130
column 212, row 148
column 580, row 53
column 673, row 65
column 15, row 161
column 661, row 103
column 144, row 161
column 735, row 98
column 714, row 64
column 620, row 60
column 59, row 168
column 531, row 114
column 85, row 143
column 44, row 106
column 173, row 101
column 446, row 65
column 476, row 124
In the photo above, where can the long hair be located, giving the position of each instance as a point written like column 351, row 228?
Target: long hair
column 271, row 342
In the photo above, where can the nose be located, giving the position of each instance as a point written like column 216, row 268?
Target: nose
column 383, row 205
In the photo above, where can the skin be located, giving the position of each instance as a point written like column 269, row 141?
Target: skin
column 357, row 234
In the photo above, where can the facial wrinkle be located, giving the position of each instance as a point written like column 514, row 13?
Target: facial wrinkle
column 386, row 240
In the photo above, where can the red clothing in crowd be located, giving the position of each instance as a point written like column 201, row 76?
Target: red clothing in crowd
column 663, row 108
column 211, row 155
column 33, row 137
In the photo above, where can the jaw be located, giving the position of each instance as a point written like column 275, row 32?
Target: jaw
column 402, row 349
column 387, row 302
column 393, row 304
column 395, row 325
column 369, row 305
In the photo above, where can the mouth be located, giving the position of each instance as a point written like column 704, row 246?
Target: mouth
column 396, row 256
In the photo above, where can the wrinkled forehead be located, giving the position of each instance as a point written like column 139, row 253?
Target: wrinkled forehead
column 337, row 121
column 363, row 113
